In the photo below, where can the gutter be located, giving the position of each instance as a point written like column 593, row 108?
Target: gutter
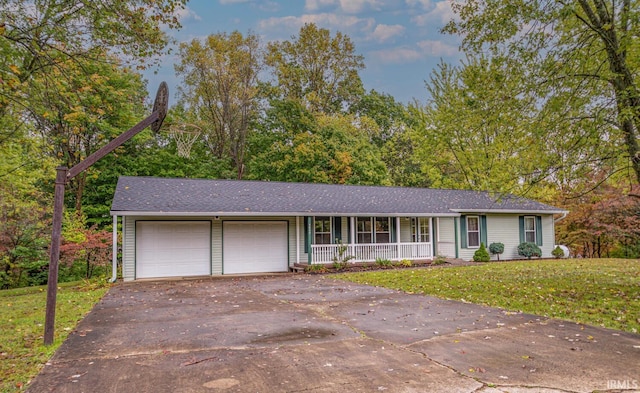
column 564, row 215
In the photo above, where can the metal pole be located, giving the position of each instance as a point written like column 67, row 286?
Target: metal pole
column 63, row 175
column 54, row 254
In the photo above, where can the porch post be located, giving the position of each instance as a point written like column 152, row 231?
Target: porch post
column 398, row 238
column 114, row 250
column 309, row 242
column 432, row 231
column 352, row 233
column 297, row 239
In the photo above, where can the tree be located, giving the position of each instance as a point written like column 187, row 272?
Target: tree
column 316, row 69
column 220, row 90
column 294, row 145
column 37, row 37
column 580, row 48
column 603, row 223
column 477, row 122
column 79, row 106
column 24, row 212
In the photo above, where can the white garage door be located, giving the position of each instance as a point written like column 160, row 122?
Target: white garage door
column 173, row 248
column 254, row 247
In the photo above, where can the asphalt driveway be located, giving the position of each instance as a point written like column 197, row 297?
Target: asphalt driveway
column 301, row 333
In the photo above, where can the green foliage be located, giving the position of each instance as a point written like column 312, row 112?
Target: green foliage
column 220, row 89
column 21, row 327
column 439, row 260
column 298, row 146
column 316, row 268
column 316, row 69
column 481, row 254
column 595, row 291
column 528, row 250
column 474, row 132
column 496, row 248
column 557, row 252
column 406, row 263
column 581, row 80
column 341, row 259
column 383, row 262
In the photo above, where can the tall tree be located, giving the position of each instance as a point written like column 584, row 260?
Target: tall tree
column 78, row 112
column 220, row 90
column 577, row 47
column 318, row 70
column 39, row 36
column 295, row 145
column 477, row 122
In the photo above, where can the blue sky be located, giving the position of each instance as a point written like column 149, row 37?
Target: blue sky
column 399, row 39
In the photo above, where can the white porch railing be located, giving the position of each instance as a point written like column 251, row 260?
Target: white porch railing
column 325, row 253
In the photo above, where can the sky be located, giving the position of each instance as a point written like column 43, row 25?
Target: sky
column 399, row 39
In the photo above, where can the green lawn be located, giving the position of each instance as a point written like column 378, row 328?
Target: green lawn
column 604, row 292
column 22, row 353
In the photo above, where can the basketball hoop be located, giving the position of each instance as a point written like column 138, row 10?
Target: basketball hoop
column 185, row 136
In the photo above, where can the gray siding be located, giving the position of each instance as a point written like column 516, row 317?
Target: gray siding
column 129, row 242
column 505, row 228
column 446, row 237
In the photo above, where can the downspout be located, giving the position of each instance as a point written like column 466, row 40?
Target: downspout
column 564, row 215
column 114, row 257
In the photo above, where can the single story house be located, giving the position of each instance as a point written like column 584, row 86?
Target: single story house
column 195, row 227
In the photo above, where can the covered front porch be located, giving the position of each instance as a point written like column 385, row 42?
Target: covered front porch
column 367, row 239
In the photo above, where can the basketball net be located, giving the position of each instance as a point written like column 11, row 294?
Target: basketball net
column 185, row 136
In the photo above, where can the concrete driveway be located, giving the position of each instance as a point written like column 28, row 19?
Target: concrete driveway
column 302, row 333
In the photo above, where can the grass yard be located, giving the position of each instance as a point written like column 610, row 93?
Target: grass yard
column 22, row 352
column 603, row 292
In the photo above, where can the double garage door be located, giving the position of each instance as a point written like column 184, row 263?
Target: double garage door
column 184, row 248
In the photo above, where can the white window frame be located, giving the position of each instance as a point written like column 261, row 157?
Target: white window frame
column 316, row 233
column 387, row 232
column 469, row 245
column 418, row 234
column 364, row 232
column 532, row 231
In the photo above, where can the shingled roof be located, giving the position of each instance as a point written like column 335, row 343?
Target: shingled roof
column 171, row 196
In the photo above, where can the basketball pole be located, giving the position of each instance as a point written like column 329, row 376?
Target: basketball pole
column 63, row 175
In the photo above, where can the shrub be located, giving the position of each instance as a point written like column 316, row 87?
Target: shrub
column 529, row 250
column 405, row 263
column 439, row 260
column 317, row 268
column 383, row 262
column 481, row 254
column 557, row 252
column 496, row 248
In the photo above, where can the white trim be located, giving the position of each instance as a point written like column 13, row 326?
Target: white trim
column 505, row 211
column 297, row 239
column 114, row 250
column 469, row 246
column 274, row 214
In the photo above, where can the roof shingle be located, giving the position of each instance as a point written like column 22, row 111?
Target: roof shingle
column 218, row 197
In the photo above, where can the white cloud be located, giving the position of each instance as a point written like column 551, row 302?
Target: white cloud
column 383, row 33
column 315, row 5
column 186, row 14
column 396, row 55
column 441, row 14
column 424, row 4
column 347, row 6
column 438, row 48
column 356, row 6
column 325, row 20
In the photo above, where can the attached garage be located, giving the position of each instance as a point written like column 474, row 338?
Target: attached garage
column 173, row 248
column 254, row 247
